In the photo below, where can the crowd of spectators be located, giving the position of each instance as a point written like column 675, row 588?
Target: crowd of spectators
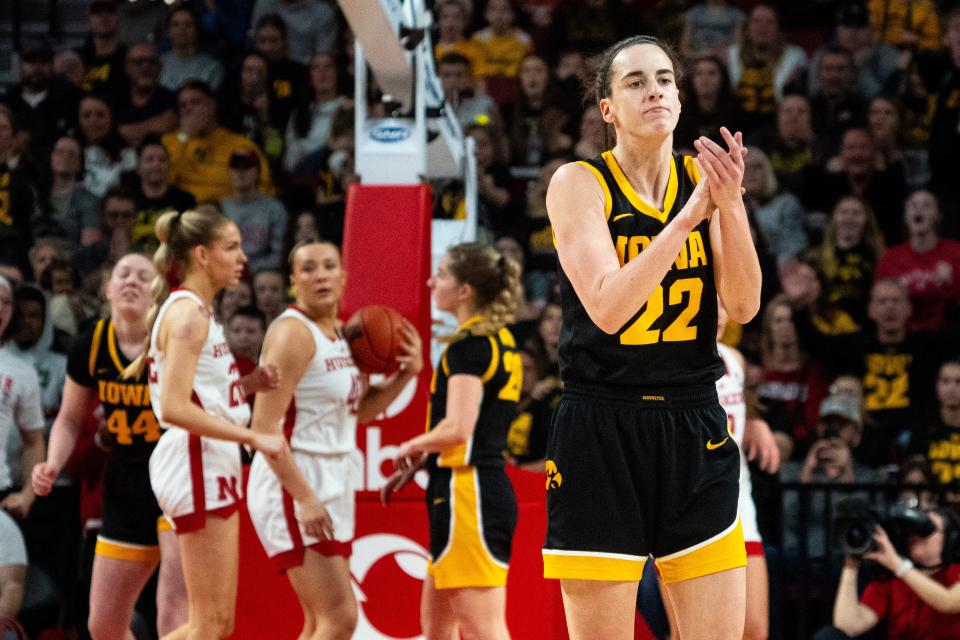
column 850, row 109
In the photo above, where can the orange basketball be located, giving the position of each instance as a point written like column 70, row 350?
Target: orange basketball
column 374, row 334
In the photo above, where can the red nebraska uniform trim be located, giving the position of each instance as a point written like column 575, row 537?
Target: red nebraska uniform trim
column 294, row 557
column 198, row 519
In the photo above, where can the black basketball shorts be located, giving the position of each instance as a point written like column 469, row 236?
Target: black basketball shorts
column 130, row 513
column 473, row 513
column 639, row 472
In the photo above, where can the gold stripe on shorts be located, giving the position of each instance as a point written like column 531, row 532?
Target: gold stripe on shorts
column 126, row 551
column 466, row 562
column 573, row 565
column 724, row 551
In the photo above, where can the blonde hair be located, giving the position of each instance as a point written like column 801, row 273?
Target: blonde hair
column 178, row 234
column 496, row 283
column 826, row 254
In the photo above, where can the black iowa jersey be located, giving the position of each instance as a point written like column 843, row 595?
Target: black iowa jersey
column 672, row 339
column 496, row 361
column 96, row 362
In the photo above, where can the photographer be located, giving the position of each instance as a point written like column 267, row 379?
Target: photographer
column 920, row 600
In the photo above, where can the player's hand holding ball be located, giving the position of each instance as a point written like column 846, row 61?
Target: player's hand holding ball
column 382, row 341
column 411, row 350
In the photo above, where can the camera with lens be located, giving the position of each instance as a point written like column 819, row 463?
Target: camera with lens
column 855, row 519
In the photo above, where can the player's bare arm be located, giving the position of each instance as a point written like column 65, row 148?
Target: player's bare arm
column 611, row 294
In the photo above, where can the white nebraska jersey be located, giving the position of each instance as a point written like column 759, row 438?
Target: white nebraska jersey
column 216, row 383
column 730, row 392
column 322, row 417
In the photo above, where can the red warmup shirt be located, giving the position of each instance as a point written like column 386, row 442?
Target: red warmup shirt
column 932, row 279
column 907, row 616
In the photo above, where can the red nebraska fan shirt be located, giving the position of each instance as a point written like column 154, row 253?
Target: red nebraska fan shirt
column 932, row 279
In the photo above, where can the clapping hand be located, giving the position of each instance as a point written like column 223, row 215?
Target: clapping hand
column 723, row 169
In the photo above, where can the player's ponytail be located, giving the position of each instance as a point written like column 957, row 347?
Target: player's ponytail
column 502, row 310
column 178, row 233
column 495, row 279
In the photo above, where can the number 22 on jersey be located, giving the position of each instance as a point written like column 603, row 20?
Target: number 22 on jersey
column 641, row 331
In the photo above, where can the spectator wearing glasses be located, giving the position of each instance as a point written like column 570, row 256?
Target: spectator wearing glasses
column 146, row 107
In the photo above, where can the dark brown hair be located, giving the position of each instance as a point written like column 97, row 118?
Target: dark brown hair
column 597, row 81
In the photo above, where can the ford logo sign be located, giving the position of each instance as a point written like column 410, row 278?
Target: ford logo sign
column 390, row 133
